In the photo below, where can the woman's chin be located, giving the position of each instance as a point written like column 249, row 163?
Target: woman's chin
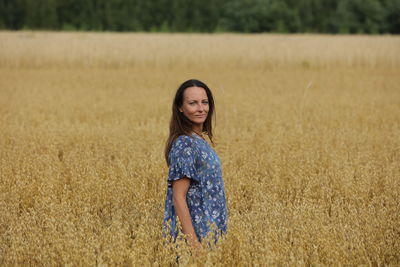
column 198, row 121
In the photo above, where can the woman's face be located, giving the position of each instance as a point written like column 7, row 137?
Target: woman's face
column 195, row 104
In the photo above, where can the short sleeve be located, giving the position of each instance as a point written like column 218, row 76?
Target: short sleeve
column 182, row 159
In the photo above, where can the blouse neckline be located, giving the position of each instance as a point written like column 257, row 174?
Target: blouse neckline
column 198, row 136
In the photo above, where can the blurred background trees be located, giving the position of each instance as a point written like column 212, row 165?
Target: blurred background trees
column 291, row 16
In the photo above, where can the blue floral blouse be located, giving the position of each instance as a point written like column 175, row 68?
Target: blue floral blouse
column 193, row 157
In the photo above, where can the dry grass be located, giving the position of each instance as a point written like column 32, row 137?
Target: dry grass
column 307, row 131
column 91, row 50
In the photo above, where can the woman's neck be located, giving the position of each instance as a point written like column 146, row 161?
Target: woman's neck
column 198, row 129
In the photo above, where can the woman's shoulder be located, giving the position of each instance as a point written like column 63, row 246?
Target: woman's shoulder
column 184, row 140
column 183, row 145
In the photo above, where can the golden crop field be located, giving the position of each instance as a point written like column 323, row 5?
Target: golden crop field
column 307, row 129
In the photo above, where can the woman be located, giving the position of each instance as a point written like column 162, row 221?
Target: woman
column 195, row 191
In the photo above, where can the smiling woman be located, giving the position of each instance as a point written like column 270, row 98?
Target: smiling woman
column 195, row 107
column 195, row 192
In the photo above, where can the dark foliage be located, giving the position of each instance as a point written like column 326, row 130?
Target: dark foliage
column 327, row 16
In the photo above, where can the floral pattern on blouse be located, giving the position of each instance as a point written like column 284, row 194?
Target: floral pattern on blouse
column 193, row 157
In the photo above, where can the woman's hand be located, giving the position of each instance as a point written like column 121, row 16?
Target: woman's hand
column 196, row 248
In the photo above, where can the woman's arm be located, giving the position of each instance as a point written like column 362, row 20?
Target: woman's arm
column 179, row 190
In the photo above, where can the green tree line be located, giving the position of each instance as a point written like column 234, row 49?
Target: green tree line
column 250, row 16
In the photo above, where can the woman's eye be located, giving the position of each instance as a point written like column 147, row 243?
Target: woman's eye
column 205, row 102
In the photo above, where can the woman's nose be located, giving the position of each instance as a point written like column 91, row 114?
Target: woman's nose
column 201, row 107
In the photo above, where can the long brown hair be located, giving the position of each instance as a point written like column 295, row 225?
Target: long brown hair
column 179, row 123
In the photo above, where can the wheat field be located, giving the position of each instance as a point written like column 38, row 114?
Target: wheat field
column 307, row 129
